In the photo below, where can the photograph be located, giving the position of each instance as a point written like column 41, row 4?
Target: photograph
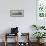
column 17, row 13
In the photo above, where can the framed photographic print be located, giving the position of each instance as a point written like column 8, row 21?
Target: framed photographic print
column 17, row 13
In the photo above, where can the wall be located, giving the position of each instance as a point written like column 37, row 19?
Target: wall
column 24, row 23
